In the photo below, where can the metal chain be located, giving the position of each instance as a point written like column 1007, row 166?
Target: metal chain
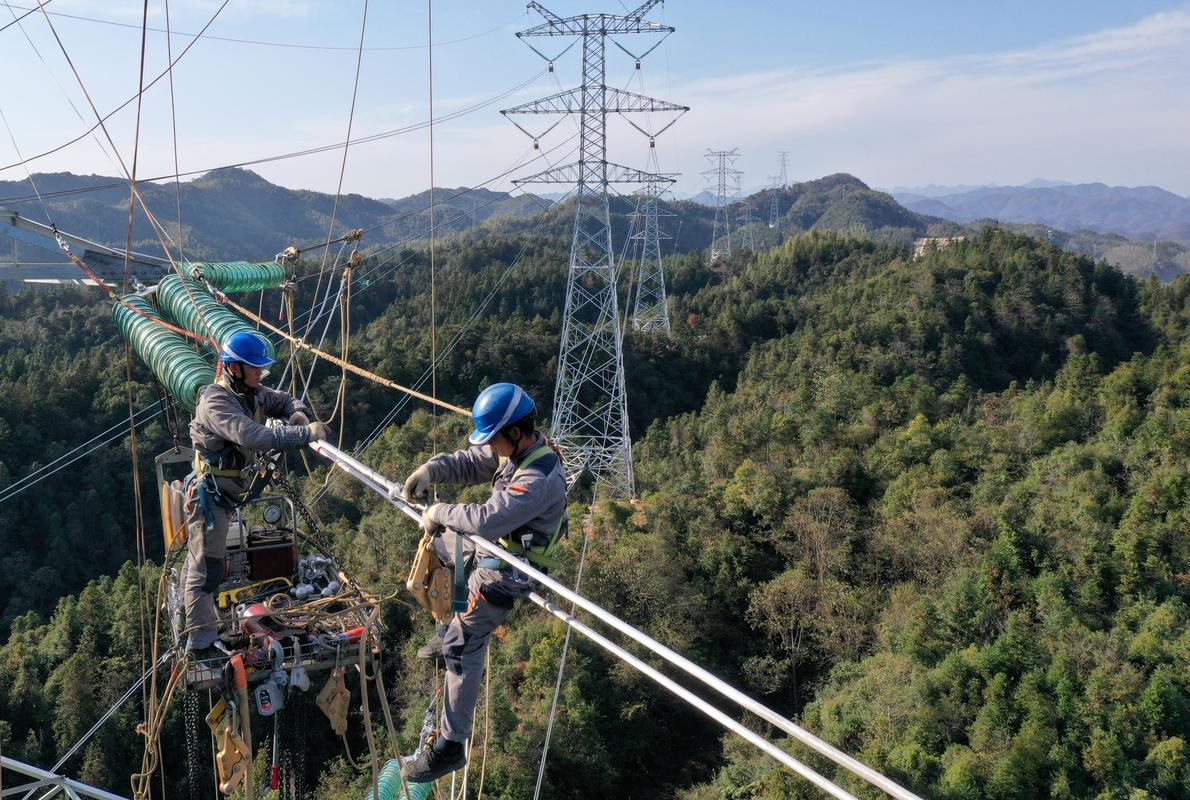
column 301, row 724
column 281, row 481
column 285, row 728
column 196, row 766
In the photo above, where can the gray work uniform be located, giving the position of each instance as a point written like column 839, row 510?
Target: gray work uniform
column 225, row 420
column 533, row 503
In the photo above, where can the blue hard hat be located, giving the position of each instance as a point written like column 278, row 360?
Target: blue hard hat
column 247, row 347
column 497, row 407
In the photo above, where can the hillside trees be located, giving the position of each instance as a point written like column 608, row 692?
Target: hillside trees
column 936, row 509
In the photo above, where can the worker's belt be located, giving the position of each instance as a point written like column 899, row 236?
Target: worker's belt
column 216, row 465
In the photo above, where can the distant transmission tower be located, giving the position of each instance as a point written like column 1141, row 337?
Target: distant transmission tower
column 650, row 312
column 726, row 182
column 590, row 419
column 779, row 183
column 746, row 219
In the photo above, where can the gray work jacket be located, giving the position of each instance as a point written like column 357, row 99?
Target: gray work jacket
column 225, row 419
column 535, row 501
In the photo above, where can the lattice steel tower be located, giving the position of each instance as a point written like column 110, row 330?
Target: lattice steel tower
column 650, row 313
column 726, row 182
column 746, row 229
column 779, row 183
column 590, row 419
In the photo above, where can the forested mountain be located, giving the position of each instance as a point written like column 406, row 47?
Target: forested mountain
column 1143, row 212
column 1164, row 260
column 936, row 508
column 236, row 214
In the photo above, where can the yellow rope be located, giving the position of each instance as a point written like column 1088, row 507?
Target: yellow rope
column 487, row 718
column 363, row 373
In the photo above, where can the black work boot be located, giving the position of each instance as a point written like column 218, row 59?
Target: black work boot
column 442, row 759
column 431, row 649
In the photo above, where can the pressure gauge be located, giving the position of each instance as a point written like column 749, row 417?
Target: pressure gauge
column 272, row 514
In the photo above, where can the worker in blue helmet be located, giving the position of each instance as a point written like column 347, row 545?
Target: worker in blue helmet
column 227, row 431
column 526, row 513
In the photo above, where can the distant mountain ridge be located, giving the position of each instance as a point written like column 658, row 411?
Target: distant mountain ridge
column 936, row 190
column 237, row 214
column 1142, row 212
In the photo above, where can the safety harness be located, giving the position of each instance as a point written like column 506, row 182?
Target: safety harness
column 230, row 462
column 535, row 545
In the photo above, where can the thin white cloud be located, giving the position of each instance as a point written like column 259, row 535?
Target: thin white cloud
column 1095, row 107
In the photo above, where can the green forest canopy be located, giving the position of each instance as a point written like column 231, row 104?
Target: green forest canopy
column 937, row 509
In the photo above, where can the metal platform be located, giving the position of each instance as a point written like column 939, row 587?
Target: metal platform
column 54, row 785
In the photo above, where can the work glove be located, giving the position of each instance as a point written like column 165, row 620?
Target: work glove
column 299, row 418
column 417, row 485
column 429, row 524
column 319, row 431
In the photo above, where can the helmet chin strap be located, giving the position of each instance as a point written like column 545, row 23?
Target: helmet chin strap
column 237, row 381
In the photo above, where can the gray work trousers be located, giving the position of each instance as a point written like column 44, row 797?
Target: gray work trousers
column 492, row 593
column 202, row 572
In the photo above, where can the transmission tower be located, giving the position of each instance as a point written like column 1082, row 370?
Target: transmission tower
column 779, row 183
column 650, row 313
column 746, row 219
column 590, row 419
column 726, row 182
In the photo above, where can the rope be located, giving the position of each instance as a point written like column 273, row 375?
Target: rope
column 363, row 373
column 487, row 720
column 140, row 94
column 433, row 279
column 138, row 511
column 388, row 721
column 578, row 582
column 127, row 102
column 108, row 714
column 326, row 310
column 359, row 60
column 78, row 262
column 161, row 235
column 458, row 337
column 363, row 685
column 345, row 338
column 156, row 710
column 173, row 119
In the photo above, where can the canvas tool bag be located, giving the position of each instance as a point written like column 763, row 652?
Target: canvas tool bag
column 430, row 580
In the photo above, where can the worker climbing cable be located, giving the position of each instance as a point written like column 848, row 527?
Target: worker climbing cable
column 228, row 432
column 526, row 511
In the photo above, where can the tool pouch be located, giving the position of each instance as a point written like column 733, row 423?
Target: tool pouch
column 430, row 581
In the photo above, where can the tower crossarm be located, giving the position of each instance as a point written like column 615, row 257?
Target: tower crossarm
column 616, row 173
column 606, row 24
column 617, row 101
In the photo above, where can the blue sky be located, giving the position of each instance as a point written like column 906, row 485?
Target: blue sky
column 906, row 93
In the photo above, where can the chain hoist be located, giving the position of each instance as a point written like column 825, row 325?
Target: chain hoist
column 196, row 767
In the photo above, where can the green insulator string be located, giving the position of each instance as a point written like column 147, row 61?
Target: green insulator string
column 169, row 355
column 198, row 311
column 238, row 276
column 390, row 784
